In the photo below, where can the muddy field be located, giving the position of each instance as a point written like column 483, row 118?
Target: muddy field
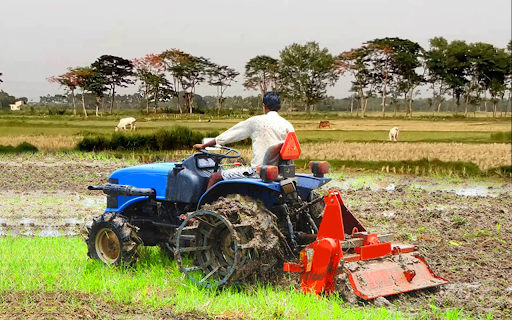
column 462, row 227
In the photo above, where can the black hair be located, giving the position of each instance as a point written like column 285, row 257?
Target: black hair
column 272, row 100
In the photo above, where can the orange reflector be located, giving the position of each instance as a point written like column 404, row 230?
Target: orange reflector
column 319, row 168
column 269, row 173
column 291, row 147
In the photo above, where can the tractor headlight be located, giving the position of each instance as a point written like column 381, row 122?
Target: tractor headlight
column 319, row 168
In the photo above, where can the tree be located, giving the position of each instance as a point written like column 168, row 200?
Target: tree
column 90, row 80
column 406, row 59
column 187, row 70
column 221, row 77
column 82, row 74
column 6, row 99
column 499, row 72
column 1, row 81
column 480, row 57
column 457, row 66
column 116, row 72
column 509, row 77
column 69, row 80
column 305, row 73
column 149, row 70
column 262, row 73
column 160, row 89
column 355, row 62
column 170, row 59
column 380, row 55
column 435, row 63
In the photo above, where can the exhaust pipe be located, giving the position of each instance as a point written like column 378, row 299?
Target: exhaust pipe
column 124, row 190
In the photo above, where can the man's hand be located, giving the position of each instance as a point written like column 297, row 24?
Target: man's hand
column 198, row 146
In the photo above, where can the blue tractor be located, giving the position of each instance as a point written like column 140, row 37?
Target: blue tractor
column 217, row 236
column 247, row 227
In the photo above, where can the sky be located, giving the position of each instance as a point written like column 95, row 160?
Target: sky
column 39, row 39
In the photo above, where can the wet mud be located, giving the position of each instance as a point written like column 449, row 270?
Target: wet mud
column 463, row 228
column 464, row 231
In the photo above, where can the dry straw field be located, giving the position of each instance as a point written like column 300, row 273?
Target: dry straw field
column 485, row 156
column 43, row 142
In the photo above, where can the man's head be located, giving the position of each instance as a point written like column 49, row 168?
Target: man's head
column 272, row 100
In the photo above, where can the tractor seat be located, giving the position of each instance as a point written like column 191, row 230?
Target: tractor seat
column 280, row 156
column 272, row 155
column 283, row 151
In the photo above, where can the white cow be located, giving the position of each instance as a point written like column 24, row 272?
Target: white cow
column 393, row 134
column 123, row 123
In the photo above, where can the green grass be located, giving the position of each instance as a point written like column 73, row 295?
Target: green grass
column 31, row 265
column 417, row 167
column 315, row 136
column 501, row 136
column 21, row 148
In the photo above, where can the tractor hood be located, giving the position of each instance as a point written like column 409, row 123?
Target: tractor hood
column 153, row 168
column 152, row 176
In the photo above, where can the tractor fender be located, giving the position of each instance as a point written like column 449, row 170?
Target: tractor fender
column 267, row 192
column 308, row 182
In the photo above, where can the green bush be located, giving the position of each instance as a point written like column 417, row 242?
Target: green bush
column 21, row 148
column 94, row 143
column 177, row 138
column 501, row 136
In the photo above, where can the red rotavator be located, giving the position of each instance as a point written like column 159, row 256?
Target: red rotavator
column 344, row 253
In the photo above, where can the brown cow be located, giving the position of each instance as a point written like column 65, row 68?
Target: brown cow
column 324, row 124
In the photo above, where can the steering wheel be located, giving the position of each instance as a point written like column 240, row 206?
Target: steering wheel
column 220, row 156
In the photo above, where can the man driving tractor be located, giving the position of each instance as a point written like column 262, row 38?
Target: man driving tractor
column 265, row 130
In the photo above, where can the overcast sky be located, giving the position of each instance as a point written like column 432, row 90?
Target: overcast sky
column 40, row 38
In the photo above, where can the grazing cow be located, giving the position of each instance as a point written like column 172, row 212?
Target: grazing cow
column 393, row 134
column 123, row 123
column 324, row 124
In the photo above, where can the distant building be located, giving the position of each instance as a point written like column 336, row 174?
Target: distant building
column 17, row 105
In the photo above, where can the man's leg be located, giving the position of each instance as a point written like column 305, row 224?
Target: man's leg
column 234, row 173
column 214, row 178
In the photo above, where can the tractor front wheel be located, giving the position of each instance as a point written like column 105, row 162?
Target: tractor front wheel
column 112, row 240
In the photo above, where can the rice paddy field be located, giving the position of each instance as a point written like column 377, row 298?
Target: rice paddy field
column 455, row 206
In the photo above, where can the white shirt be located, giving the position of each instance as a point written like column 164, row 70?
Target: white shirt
column 264, row 130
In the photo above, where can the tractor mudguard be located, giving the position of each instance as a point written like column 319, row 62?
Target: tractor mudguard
column 267, row 192
column 308, row 182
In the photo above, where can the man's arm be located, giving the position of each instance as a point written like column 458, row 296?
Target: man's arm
column 240, row 131
column 200, row 146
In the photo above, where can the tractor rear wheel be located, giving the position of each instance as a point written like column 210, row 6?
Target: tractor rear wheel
column 235, row 239
column 112, row 240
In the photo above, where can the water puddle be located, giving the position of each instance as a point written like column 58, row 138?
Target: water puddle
column 399, row 183
column 474, row 192
column 49, row 233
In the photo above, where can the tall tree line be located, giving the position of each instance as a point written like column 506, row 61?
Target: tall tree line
column 390, row 69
